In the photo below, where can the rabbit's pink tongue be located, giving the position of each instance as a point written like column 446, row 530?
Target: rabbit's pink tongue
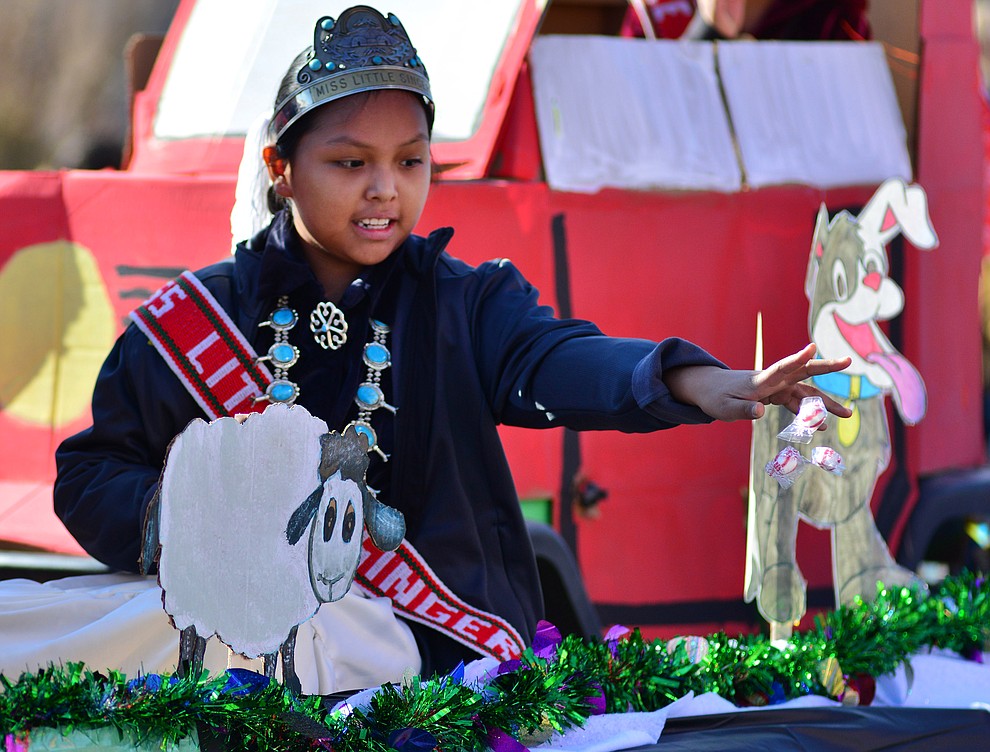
column 909, row 389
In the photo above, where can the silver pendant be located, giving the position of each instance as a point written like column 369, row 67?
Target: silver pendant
column 328, row 325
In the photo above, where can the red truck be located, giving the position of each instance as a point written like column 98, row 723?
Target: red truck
column 666, row 550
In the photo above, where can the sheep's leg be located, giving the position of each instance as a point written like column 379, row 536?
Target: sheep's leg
column 289, row 677
column 192, row 651
column 270, row 660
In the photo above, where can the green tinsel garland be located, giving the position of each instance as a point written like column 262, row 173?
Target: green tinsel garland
column 169, row 708
column 554, row 690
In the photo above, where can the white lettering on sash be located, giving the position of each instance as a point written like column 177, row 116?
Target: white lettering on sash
column 222, row 371
column 248, row 390
column 199, row 349
column 166, row 301
column 475, row 629
column 402, row 584
column 377, row 566
column 434, row 608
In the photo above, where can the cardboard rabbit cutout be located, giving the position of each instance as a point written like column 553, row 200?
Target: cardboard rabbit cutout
column 849, row 293
column 229, row 518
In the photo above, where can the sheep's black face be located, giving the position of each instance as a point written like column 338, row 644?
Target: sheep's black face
column 335, row 538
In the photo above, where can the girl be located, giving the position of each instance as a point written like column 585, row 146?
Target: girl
column 468, row 348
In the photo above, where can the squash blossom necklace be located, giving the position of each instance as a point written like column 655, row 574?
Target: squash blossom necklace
column 329, row 329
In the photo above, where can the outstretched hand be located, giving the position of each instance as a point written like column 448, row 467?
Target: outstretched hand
column 743, row 395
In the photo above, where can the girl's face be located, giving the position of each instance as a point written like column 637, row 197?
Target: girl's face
column 358, row 181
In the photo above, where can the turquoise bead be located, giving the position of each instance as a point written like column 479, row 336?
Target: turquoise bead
column 376, row 356
column 284, row 317
column 369, row 395
column 282, row 391
column 283, row 353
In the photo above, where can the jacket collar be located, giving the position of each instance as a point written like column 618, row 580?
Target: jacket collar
column 271, row 264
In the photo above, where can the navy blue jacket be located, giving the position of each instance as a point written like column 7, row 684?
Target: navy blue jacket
column 471, row 348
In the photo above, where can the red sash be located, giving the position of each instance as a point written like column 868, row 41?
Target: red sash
column 420, row 595
column 201, row 345
column 216, row 363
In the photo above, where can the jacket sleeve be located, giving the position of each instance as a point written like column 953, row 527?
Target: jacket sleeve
column 108, row 473
column 540, row 371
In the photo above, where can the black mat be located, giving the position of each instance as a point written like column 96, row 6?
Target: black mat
column 828, row 730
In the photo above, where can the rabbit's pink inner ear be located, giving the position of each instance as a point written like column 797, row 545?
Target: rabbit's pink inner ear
column 889, row 220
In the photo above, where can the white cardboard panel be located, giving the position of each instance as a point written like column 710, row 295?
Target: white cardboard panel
column 818, row 113
column 631, row 113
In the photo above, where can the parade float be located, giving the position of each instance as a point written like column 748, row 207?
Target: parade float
column 693, row 226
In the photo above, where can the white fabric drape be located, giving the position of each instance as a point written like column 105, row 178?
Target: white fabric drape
column 116, row 621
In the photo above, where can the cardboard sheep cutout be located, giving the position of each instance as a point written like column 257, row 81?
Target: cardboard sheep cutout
column 236, row 499
column 849, row 292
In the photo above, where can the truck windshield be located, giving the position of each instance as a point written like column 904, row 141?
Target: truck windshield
column 232, row 56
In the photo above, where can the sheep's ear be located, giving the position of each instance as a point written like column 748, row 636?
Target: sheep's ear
column 386, row 525
column 303, row 515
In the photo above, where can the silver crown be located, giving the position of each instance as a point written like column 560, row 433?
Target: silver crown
column 361, row 51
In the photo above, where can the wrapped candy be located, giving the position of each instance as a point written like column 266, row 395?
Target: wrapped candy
column 811, row 416
column 789, row 464
column 828, row 459
column 786, row 467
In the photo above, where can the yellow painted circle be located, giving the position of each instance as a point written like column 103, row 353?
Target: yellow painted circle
column 56, row 327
